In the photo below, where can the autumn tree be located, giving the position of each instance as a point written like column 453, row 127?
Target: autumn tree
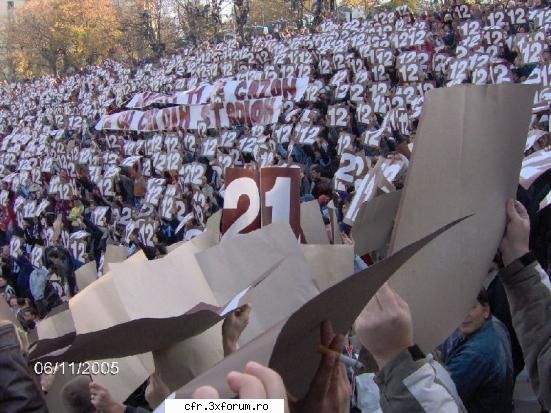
column 363, row 5
column 412, row 4
column 57, row 36
column 241, row 10
column 264, row 11
column 143, row 25
column 199, row 20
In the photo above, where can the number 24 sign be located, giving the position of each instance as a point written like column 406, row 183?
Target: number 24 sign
column 254, row 199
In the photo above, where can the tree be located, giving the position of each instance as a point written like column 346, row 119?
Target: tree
column 241, row 13
column 135, row 34
column 199, row 20
column 149, row 28
column 412, row 4
column 58, row 36
column 363, row 5
column 264, row 11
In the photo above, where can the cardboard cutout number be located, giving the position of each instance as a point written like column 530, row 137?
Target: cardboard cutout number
column 273, row 195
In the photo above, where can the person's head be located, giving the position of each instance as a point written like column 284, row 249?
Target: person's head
column 315, row 172
column 477, row 317
column 27, row 317
column 54, row 258
column 3, row 282
column 76, row 396
column 28, row 314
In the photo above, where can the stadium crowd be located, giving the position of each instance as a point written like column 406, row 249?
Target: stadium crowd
column 83, row 166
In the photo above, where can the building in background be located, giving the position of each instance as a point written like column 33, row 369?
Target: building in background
column 7, row 10
column 7, row 7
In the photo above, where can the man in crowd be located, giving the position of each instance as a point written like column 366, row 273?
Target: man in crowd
column 479, row 360
column 478, row 357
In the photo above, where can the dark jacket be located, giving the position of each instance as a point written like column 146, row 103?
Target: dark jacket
column 529, row 293
column 500, row 310
column 24, row 276
column 18, row 391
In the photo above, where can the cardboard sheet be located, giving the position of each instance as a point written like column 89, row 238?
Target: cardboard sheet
column 86, row 275
column 172, row 247
column 232, row 265
column 466, row 160
column 373, row 225
column 55, row 325
column 329, row 264
column 137, row 257
column 213, row 225
column 162, row 288
column 126, row 302
column 312, row 224
column 113, row 254
column 119, row 326
column 103, row 298
column 209, row 238
column 258, row 350
column 183, row 361
column 133, row 371
column 291, row 347
column 6, row 313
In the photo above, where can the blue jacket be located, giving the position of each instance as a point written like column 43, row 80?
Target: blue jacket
column 24, row 276
column 481, row 367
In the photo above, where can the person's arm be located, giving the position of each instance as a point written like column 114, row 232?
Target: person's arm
column 19, row 391
column 233, row 326
column 467, row 369
column 256, row 382
column 408, row 382
column 529, row 294
column 156, row 391
column 329, row 389
column 103, row 402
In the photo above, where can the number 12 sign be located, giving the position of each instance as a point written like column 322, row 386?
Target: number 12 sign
column 254, row 199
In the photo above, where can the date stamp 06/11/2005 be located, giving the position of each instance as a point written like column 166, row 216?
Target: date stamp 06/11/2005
column 103, row 368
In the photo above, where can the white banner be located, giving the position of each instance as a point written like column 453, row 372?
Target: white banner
column 288, row 88
column 230, row 91
column 216, row 115
column 196, row 96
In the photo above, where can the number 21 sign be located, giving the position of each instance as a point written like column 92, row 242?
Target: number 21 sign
column 254, row 199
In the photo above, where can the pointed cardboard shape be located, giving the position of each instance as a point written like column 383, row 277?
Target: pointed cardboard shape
column 466, row 160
